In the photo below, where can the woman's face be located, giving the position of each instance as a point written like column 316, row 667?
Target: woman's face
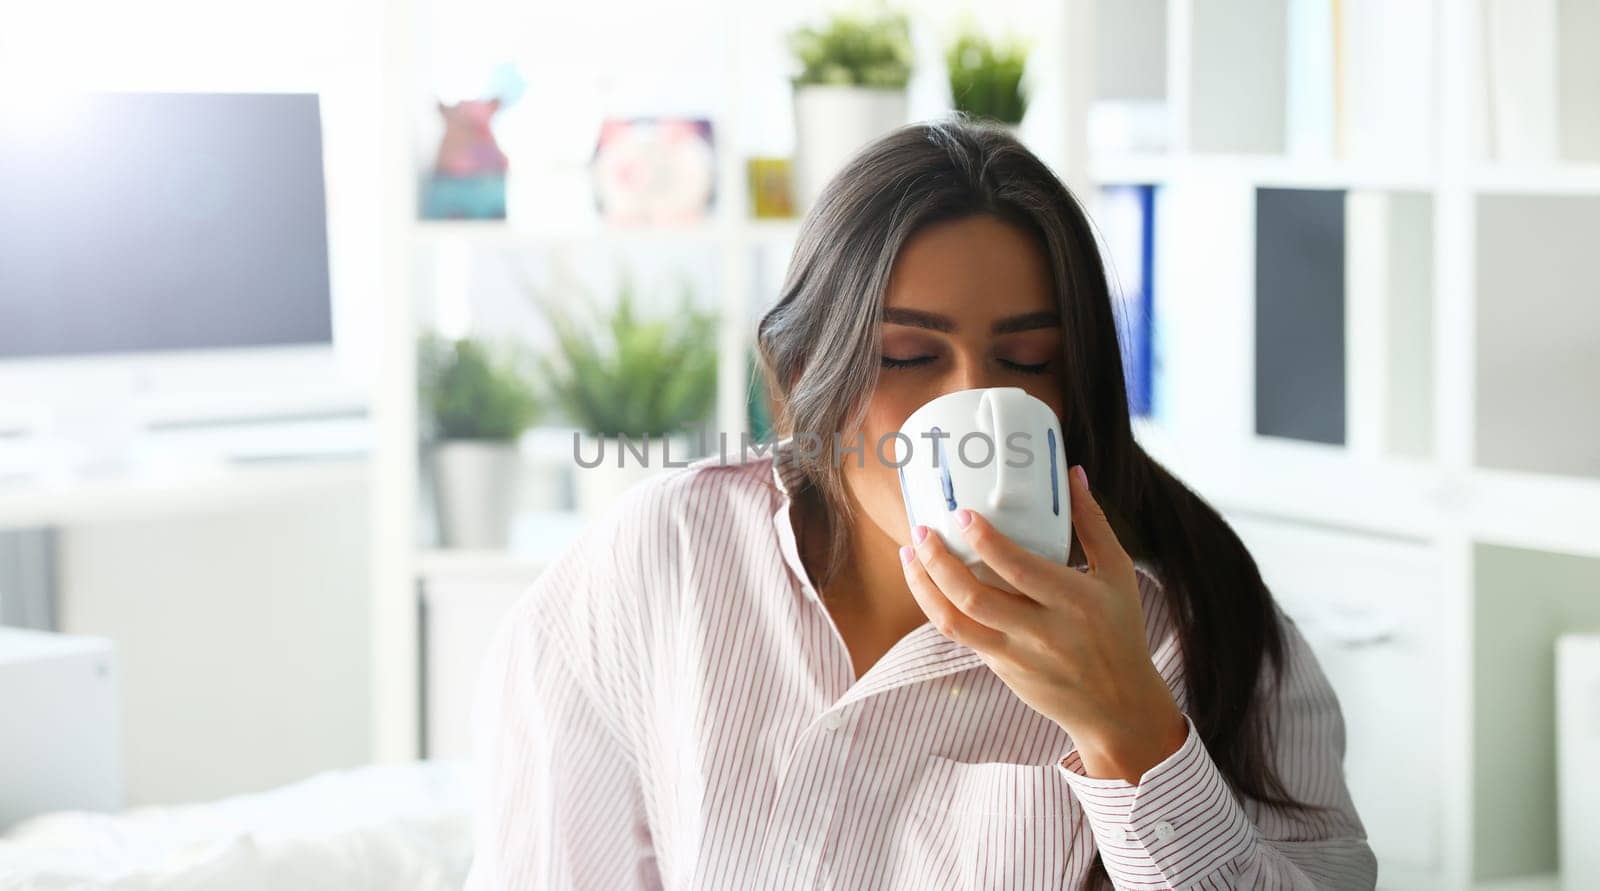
column 970, row 304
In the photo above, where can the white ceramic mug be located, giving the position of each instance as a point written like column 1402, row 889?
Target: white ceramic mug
column 997, row 451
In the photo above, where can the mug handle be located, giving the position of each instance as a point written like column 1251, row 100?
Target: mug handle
column 1010, row 483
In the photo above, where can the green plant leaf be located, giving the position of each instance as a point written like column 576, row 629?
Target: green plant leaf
column 618, row 373
column 986, row 76
column 472, row 390
column 870, row 48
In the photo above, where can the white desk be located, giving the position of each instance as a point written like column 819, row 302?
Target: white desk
column 33, row 502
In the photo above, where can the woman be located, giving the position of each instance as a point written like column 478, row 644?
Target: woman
column 753, row 675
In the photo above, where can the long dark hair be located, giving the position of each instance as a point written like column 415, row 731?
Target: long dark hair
column 819, row 356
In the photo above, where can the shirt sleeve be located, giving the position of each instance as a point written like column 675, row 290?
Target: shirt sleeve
column 1183, row 827
column 558, row 802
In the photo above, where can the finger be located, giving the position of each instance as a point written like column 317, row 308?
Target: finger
column 945, row 616
column 1001, row 610
column 1036, row 577
column 1100, row 545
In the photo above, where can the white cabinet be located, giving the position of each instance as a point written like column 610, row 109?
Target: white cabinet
column 59, row 749
column 1368, row 606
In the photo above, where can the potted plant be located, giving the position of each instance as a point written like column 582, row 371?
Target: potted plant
column 634, row 385
column 986, row 76
column 477, row 401
column 851, row 88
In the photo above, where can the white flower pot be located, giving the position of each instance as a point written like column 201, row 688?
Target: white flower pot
column 597, row 488
column 542, row 485
column 476, row 489
column 831, row 123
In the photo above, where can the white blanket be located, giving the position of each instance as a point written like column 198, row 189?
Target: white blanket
column 404, row 826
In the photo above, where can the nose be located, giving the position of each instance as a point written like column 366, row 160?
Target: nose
column 969, row 371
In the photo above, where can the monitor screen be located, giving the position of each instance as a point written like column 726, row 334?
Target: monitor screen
column 136, row 222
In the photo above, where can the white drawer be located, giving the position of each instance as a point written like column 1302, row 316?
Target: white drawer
column 1368, row 607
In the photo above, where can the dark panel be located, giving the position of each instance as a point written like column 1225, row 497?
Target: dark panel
column 1300, row 314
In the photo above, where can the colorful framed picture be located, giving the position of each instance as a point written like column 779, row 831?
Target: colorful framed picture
column 654, row 171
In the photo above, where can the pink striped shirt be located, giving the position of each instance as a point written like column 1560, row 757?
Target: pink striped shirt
column 671, row 706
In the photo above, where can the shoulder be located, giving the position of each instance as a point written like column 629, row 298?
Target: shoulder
column 1149, row 582
column 693, row 506
column 600, row 606
column 711, row 485
column 632, row 561
column 1155, row 601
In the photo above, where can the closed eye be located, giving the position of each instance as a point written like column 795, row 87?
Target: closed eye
column 1025, row 368
column 892, row 362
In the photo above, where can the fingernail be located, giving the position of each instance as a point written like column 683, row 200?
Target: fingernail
column 919, row 534
column 907, row 555
column 963, row 518
column 1083, row 478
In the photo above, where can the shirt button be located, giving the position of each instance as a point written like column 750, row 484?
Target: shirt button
column 832, row 721
column 795, row 853
column 1164, row 830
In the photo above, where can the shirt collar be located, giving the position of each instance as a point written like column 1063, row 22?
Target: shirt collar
column 786, row 473
column 787, row 478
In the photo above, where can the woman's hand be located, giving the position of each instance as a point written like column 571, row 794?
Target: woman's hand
column 1071, row 645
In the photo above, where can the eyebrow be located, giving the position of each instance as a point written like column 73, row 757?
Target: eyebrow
column 916, row 318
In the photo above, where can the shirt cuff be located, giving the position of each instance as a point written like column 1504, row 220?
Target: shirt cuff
column 1178, row 826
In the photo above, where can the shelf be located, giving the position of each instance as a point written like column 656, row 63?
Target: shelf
column 1323, row 485
column 1308, row 483
column 499, row 234
column 1543, row 882
column 537, row 539
column 1133, row 170
column 141, row 493
column 1311, row 174
column 1559, row 514
column 1555, row 178
column 1262, row 170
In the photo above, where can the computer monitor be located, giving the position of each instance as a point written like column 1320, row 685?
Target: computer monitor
column 157, row 242
column 165, row 221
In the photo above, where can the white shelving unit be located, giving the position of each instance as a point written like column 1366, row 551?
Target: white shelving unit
column 1457, row 522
